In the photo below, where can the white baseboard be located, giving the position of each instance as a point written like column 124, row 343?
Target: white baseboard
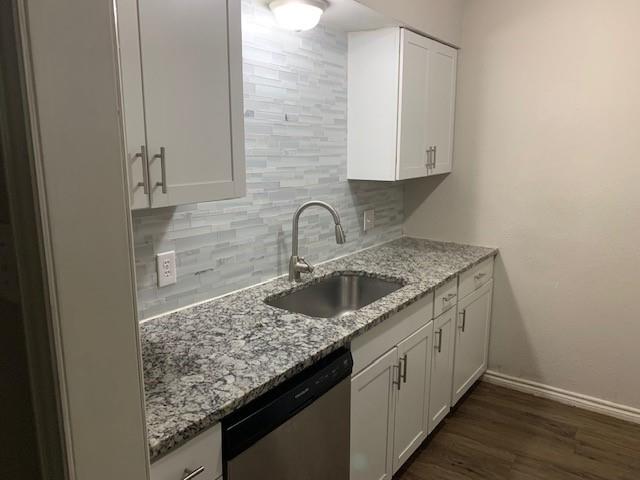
column 565, row 397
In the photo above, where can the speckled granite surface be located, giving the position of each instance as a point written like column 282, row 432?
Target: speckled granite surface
column 203, row 362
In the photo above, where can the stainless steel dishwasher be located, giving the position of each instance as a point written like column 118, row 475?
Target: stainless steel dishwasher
column 298, row 431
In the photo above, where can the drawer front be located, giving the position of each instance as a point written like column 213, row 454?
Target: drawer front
column 473, row 279
column 205, row 450
column 446, row 297
column 372, row 344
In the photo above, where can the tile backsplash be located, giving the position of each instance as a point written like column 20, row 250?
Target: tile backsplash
column 295, row 92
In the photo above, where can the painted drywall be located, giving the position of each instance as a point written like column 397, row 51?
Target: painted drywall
column 295, row 92
column 546, row 168
column 440, row 19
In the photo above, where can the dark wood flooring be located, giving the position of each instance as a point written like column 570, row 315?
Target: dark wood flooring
column 496, row 433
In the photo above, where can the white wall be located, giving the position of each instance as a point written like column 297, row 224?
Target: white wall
column 440, row 19
column 547, row 167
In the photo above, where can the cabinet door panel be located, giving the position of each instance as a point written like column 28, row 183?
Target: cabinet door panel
column 441, row 367
column 442, row 92
column 372, row 416
column 414, row 106
column 412, row 398
column 187, row 67
column 472, row 339
column 133, row 107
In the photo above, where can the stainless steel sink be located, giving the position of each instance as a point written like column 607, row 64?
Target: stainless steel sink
column 335, row 295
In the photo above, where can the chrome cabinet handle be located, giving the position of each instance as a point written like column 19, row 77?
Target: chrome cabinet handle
column 403, row 376
column 190, row 474
column 464, row 320
column 429, row 152
column 479, row 275
column 439, row 346
column 435, row 155
column 142, row 154
column 163, row 169
column 399, row 367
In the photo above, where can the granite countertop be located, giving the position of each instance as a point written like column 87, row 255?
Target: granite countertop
column 203, row 362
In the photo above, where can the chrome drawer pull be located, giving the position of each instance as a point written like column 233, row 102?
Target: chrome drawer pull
column 190, row 474
column 479, row 276
column 448, row 297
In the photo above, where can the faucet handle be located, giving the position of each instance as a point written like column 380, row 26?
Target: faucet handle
column 304, row 266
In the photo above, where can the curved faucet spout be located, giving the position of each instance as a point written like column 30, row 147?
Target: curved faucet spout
column 298, row 264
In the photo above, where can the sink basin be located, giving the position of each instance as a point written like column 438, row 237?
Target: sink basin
column 335, row 295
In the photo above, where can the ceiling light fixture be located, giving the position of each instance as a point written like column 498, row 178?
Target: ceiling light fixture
column 298, row 15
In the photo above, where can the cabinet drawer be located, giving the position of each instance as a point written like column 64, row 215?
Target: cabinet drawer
column 473, row 279
column 380, row 339
column 446, row 297
column 205, row 450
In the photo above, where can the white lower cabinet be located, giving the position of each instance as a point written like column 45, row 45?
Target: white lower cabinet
column 389, row 391
column 411, row 369
column 412, row 394
column 372, row 416
column 472, row 339
column 202, row 452
column 442, row 367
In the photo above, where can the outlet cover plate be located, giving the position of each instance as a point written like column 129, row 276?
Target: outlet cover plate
column 166, row 265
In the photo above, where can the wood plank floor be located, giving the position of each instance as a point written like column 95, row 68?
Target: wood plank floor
column 496, row 433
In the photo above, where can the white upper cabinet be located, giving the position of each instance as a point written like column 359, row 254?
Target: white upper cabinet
column 181, row 67
column 401, row 103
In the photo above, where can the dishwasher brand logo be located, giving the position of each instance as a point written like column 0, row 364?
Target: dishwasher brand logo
column 303, row 392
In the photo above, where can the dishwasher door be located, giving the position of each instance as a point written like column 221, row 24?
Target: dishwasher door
column 296, row 431
column 312, row 445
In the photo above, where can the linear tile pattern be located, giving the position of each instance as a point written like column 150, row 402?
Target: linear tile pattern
column 500, row 434
column 295, row 91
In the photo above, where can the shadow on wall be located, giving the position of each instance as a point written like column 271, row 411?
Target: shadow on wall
column 512, row 337
column 416, row 193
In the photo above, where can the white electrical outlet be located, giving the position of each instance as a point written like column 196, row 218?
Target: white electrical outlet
column 369, row 219
column 166, row 264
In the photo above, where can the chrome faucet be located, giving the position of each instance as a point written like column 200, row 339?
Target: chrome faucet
column 298, row 264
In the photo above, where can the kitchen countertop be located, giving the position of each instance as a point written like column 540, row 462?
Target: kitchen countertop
column 203, row 362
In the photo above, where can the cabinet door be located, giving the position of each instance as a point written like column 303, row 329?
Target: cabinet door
column 372, row 416
column 472, row 339
column 412, row 394
column 442, row 367
column 414, row 106
column 441, row 102
column 133, row 107
column 192, row 78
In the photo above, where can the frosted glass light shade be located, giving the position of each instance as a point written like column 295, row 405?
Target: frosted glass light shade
column 298, row 15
